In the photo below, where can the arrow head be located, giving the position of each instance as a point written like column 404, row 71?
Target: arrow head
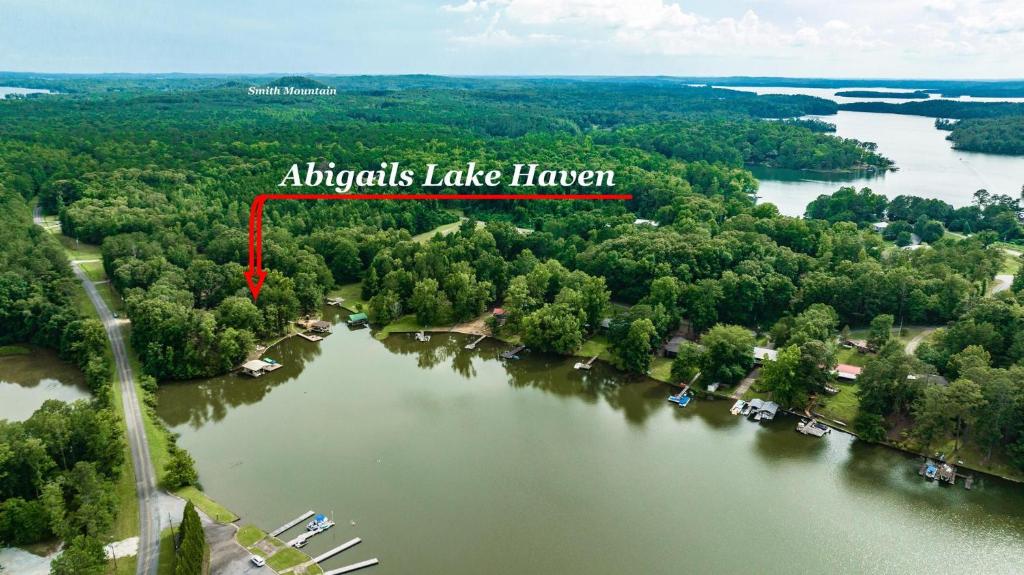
column 255, row 279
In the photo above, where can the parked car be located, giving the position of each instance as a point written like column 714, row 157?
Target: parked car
column 258, row 561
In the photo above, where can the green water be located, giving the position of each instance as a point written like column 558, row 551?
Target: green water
column 454, row 462
column 26, row 381
column 928, row 164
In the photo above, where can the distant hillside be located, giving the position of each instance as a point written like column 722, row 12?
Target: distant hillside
column 297, row 82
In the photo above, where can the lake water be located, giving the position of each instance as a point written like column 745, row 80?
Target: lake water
column 928, row 166
column 26, row 381
column 4, row 90
column 830, row 94
column 453, row 462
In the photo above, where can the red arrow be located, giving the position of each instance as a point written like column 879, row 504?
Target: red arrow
column 256, row 275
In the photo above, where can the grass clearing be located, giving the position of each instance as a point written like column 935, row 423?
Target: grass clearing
column 211, row 508
column 404, row 324
column 248, row 535
column 842, row 406
column 8, row 350
column 597, row 345
column 286, row 558
column 352, row 294
column 661, row 369
column 166, row 560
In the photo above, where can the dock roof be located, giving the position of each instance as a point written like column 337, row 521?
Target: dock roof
column 255, row 365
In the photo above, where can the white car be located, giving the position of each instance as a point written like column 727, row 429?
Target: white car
column 258, row 561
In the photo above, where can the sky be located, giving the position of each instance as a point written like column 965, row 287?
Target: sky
column 818, row 38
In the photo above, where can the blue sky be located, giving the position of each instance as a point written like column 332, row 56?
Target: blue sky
column 863, row 38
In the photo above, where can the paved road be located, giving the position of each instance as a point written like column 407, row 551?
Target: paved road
column 145, row 478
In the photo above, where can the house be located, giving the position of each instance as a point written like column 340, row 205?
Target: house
column 861, row 345
column 928, row 378
column 499, row 315
column 255, row 367
column 321, row 326
column 763, row 353
column 879, row 227
column 847, row 372
column 357, row 319
column 671, row 349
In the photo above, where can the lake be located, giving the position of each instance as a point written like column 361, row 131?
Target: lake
column 26, row 381
column 453, row 462
column 928, row 165
column 4, row 90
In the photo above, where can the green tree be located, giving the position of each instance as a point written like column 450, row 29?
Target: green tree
column 633, row 354
column 554, row 328
column 687, row 363
column 728, row 354
column 82, row 556
column 880, row 330
column 781, row 378
column 180, row 470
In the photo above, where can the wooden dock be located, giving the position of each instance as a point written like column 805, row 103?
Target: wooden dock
column 513, row 353
column 310, row 336
column 585, row 364
column 353, row 567
column 472, row 345
column 328, row 554
column 292, row 523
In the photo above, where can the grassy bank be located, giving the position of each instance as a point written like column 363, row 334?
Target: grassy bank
column 280, row 557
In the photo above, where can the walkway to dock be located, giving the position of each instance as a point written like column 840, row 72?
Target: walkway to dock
column 292, row 523
column 585, row 364
column 473, row 344
column 745, row 384
column 353, row 567
column 327, row 555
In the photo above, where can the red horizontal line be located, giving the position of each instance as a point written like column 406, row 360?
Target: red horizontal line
column 445, row 196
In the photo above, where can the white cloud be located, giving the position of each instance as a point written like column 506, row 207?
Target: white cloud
column 888, row 30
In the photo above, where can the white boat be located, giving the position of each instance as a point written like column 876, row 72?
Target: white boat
column 737, row 407
column 422, row 336
column 745, row 410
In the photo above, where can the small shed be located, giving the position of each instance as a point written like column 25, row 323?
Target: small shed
column 255, row 367
column 499, row 312
column 321, row 326
column 357, row 319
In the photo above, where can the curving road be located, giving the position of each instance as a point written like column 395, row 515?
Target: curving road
column 145, row 478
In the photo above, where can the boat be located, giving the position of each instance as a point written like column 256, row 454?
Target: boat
column 813, row 427
column 737, row 407
column 931, row 471
column 745, row 410
column 422, row 336
column 684, row 401
column 319, row 523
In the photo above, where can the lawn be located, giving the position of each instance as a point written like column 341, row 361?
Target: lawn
column 78, row 250
column 597, row 345
column 352, row 294
column 211, row 508
column 404, row 324
column 286, row 558
column 166, row 560
column 843, row 406
column 6, row 350
column 248, row 535
column 661, row 369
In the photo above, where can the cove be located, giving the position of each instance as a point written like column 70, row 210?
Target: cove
column 452, row 461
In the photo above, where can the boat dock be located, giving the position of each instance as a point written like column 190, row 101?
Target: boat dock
column 472, row 345
column 328, row 554
column 585, row 364
column 292, row 523
column 353, row 567
column 513, row 353
column 310, row 336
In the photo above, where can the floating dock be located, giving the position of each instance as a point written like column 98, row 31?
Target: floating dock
column 353, row 567
column 292, row 523
column 310, row 337
column 472, row 345
column 585, row 364
column 346, row 545
column 513, row 353
column 422, row 336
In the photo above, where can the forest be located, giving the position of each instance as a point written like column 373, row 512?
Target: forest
column 160, row 173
